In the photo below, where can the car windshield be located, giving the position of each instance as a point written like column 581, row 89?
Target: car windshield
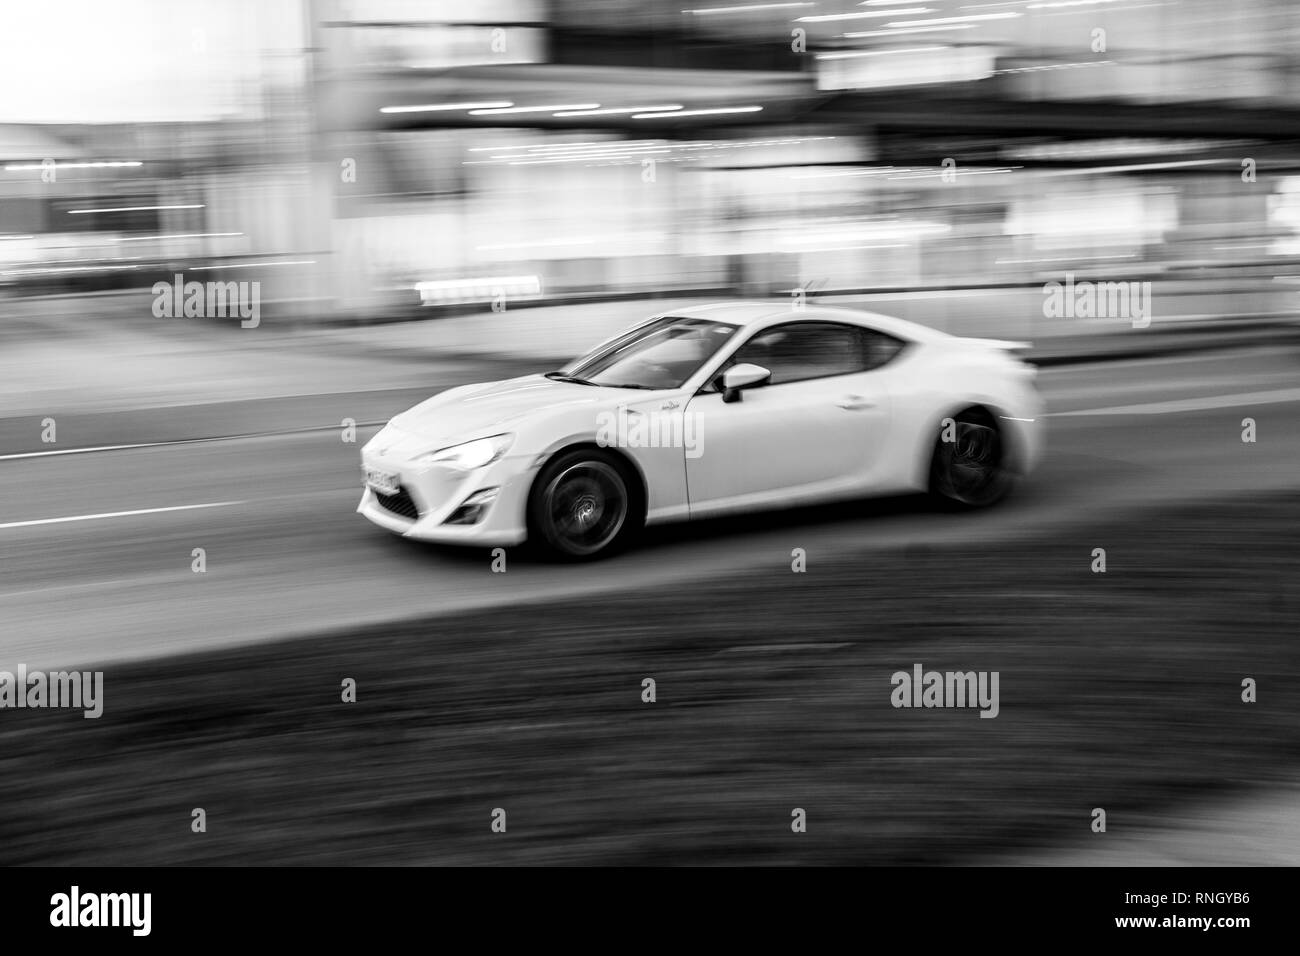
column 662, row 354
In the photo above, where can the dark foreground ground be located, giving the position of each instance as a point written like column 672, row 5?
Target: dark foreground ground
column 1119, row 690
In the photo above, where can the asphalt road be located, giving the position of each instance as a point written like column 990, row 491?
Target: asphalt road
column 93, row 569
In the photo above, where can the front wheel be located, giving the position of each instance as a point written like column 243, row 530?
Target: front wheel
column 970, row 467
column 583, row 505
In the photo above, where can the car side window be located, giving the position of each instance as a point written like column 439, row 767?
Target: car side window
column 878, row 348
column 804, row 350
column 798, row 351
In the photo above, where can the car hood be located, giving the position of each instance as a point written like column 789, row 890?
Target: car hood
column 476, row 411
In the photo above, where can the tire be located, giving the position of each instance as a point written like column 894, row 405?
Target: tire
column 585, row 504
column 972, row 470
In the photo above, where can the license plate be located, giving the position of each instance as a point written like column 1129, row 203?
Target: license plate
column 381, row 481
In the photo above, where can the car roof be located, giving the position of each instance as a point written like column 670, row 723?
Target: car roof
column 758, row 314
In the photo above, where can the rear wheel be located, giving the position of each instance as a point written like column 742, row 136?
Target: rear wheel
column 584, row 504
column 970, row 467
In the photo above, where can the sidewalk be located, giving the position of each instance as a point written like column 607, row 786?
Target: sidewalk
column 561, row 332
column 101, row 354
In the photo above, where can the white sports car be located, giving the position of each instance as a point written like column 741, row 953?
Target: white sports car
column 706, row 411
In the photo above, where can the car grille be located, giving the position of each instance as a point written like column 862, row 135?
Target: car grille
column 399, row 504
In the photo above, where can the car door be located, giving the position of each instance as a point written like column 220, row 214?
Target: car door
column 810, row 433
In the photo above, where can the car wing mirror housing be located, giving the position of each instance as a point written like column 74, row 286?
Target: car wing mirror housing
column 740, row 377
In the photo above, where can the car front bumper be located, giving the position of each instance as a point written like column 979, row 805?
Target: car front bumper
column 430, row 495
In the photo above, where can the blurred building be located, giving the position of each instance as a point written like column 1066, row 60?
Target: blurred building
column 376, row 155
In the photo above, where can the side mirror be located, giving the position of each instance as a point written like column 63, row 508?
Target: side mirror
column 739, row 377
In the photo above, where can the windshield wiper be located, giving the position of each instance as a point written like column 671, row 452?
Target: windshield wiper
column 648, row 388
column 561, row 377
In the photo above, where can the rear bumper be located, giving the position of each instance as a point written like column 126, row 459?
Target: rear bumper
column 1027, row 428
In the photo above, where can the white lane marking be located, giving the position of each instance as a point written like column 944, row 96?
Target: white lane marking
column 780, row 648
column 182, row 441
column 118, row 514
column 82, row 451
column 1193, row 404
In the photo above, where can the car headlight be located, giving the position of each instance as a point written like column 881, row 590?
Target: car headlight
column 470, row 455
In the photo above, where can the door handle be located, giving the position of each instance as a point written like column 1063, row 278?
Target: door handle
column 855, row 403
